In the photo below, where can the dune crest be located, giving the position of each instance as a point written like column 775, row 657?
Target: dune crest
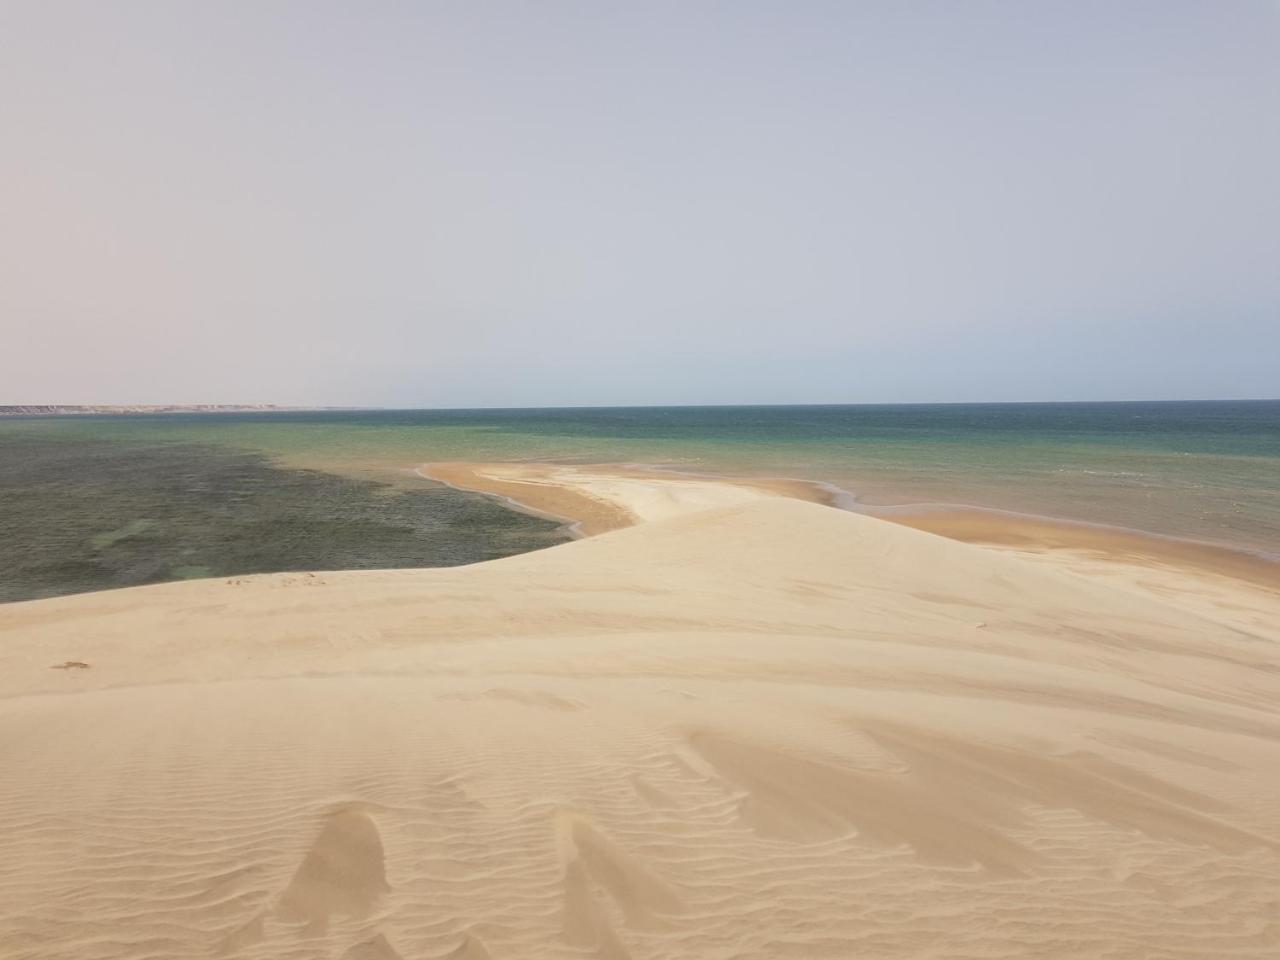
column 757, row 729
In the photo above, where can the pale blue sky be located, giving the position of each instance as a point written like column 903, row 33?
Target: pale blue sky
column 488, row 204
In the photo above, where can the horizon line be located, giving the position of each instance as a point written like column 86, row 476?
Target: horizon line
column 34, row 409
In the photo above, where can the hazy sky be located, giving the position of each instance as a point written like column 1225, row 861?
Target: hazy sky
column 487, row 204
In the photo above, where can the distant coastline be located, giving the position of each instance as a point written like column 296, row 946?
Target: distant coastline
column 73, row 409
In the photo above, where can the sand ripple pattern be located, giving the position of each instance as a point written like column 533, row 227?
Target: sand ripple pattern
column 678, row 740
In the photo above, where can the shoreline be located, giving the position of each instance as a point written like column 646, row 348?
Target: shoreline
column 921, row 738
column 567, row 493
column 591, row 500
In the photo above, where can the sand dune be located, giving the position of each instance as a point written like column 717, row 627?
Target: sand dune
column 757, row 728
column 1205, row 579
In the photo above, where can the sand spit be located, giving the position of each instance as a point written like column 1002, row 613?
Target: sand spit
column 597, row 499
column 1200, row 577
column 757, row 729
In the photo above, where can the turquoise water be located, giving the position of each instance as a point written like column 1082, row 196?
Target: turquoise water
column 1201, row 470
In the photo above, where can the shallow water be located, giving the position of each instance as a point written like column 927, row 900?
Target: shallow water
column 1200, row 470
column 81, row 514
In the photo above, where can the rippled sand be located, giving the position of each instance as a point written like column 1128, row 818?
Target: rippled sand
column 757, row 728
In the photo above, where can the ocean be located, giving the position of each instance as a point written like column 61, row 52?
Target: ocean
column 91, row 502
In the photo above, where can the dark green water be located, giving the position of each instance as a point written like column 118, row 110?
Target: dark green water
column 91, row 514
column 91, row 502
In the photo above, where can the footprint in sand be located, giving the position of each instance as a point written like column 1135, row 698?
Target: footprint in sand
column 591, row 859
column 343, row 873
column 379, row 948
column 956, row 802
column 471, row 948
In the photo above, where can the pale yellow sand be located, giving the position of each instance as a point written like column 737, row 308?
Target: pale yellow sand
column 597, row 499
column 761, row 729
column 1202, row 578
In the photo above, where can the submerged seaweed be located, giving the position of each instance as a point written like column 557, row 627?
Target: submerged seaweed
column 79, row 515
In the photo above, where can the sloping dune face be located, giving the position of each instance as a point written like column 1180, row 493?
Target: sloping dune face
column 765, row 731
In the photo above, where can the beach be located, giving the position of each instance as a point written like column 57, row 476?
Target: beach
column 1203, row 577
column 640, row 481
column 727, row 721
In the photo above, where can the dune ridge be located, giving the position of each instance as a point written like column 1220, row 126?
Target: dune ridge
column 756, row 727
column 1201, row 577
